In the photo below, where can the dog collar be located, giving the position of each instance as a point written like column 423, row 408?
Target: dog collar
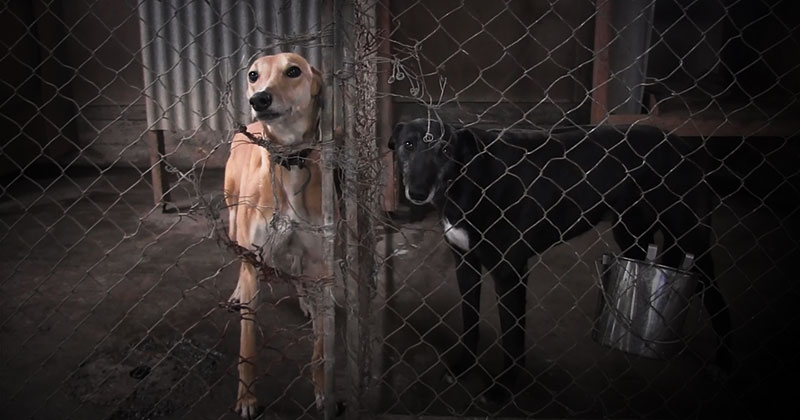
column 293, row 159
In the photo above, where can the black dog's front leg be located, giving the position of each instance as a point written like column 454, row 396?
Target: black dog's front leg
column 510, row 284
column 468, row 275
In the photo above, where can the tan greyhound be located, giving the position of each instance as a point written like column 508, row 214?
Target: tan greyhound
column 275, row 201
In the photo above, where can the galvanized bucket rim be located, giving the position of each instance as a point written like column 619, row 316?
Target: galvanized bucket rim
column 649, row 264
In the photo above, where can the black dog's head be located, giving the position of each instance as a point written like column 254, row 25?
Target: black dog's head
column 430, row 154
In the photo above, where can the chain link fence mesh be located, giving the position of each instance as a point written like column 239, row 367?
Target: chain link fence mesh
column 709, row 71
column 112, row 306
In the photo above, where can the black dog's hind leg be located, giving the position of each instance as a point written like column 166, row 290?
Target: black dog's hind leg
column 717, row 310
column 468, row 274
column 698, row 241
column 510, row 279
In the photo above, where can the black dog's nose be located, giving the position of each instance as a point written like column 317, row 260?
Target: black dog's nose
column 417, row 194
column 261, row 101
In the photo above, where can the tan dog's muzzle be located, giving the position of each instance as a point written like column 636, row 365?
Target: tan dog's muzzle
column 260, row 102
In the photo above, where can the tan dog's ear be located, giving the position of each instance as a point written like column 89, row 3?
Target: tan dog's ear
column 316, row 81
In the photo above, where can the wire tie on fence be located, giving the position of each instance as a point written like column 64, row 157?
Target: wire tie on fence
column 232, row 306
column 441, row 123
column 442, row 85
column 428, row 137
column 398, row 70
column 392, row 78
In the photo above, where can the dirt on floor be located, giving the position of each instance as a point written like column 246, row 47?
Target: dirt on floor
column 113, row 309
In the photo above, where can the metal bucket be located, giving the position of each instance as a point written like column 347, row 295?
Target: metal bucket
column 642, row 305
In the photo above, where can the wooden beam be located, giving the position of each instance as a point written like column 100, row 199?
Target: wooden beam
column 601, row 66
column 684, row 125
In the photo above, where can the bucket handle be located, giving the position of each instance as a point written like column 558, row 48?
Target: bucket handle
column 607, row 259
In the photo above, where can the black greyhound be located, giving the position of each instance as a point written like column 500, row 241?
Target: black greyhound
column 504, row 196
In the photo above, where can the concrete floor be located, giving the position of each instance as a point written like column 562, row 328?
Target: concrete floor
column 109, row 310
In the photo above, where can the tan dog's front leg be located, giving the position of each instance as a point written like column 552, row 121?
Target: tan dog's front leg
column 235, row 298
column 247, row 403
column 310, row 303
column 318, row 358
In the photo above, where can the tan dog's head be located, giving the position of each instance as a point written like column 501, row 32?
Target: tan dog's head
column 283, row 90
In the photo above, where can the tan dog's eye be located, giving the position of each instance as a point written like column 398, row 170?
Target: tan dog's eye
column 252, row 76
column 293, row 72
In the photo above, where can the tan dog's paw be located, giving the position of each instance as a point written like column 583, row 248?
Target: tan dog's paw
column 233, row 304
column 247, row 405
column 236, row 296
column 319, row 399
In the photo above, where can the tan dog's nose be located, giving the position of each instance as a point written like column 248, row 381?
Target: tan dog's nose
column 261, row 101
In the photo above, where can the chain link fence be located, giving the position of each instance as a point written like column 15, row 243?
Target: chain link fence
column 709, row 71
column 117, row 267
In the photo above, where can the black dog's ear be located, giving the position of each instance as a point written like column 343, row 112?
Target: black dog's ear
column 395, row 133
column 467, row 136
column 466, row 144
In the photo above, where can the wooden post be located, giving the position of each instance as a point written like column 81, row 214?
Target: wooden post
column 155, row 142
column 601, row 68
column 385, row 109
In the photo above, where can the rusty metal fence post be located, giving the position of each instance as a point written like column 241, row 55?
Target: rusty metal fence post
column 361, row 166
column 328, row 123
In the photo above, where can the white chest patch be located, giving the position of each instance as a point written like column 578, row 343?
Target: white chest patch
column 455, row 236
column 295, row 196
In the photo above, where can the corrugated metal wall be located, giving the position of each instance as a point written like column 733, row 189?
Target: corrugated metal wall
column 195, row 55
